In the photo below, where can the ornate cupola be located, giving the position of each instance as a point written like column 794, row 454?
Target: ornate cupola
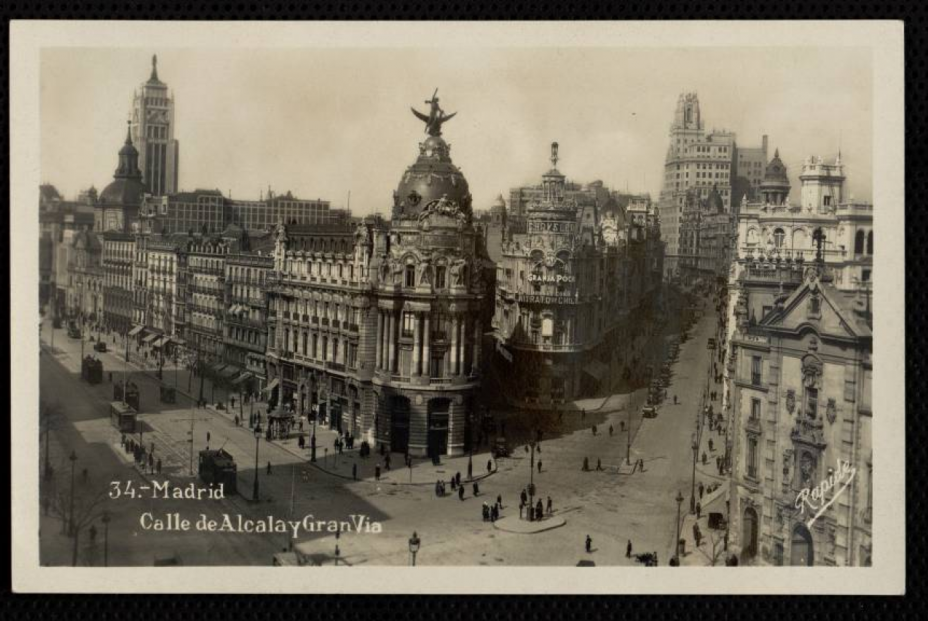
column 127, row 187
column 775, row 186
column 433, row 177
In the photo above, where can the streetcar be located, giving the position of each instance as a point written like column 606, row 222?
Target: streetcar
column 123, row 417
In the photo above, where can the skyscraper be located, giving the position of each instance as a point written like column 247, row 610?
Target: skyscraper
column 153, row 132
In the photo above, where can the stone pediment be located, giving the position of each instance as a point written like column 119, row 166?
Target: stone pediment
column 819, row 305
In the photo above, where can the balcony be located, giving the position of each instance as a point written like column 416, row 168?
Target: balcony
column 335, row 366
column 756, row 380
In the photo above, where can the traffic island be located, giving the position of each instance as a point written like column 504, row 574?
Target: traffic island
column 514, row 524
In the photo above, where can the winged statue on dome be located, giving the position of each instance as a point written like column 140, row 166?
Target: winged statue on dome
column 436, row 116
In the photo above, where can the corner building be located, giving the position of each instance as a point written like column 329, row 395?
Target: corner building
column 381, row 325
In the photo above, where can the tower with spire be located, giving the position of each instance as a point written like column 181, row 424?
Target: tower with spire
column 118, row 206
column 152, row 119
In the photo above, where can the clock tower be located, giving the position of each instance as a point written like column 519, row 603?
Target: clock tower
column 152, row 119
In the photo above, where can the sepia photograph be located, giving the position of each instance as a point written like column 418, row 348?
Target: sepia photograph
column 534, row 306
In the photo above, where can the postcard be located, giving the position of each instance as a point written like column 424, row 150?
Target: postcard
column 444, row 307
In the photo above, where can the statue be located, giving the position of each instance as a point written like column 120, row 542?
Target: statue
column 457, row 271
column 436, row 116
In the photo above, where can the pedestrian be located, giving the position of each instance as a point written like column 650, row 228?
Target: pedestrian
column 489, row 466
column 539, row 510
column 494, row 513
column 237, row 421
column 377, row 472
column 354, row 469
column 586, row 464
column 521, row 508
column 550, row 508
column 499, row 500
column 158, row 466
column 486, row 512
column 301, row 442
column 696, row 534
column 622, row 425
column 641, row 464
column 207, row 438
column 594, row 430
column 698, row 510
column 523, row 496
column 705, row 458
column 454, row 485
column 458, row 477
column 599, row 464
column 539, row 466
column 700, row 490
column 269, row 467
column 151, row 462
column 476, row 489
column 610, row 431
column 386, row 459
column 628, row 549
column 460, row 492
column 589, row 544
column 582, row 414
column 711, row 445
column 675, row 399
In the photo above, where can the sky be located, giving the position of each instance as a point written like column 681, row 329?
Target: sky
column 325, row 122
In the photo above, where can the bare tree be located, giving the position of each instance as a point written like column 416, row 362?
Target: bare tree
column 50, row 419
column 715, row 553
column 76, row 507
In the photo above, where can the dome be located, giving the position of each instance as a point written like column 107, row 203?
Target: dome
column 127, row 187
column 776, row 170
column 500, row 202
column 432, row 177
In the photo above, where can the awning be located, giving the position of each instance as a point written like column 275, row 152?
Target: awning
column 136, row 330
column 150, row 338
column 596, row 369
column 161, row 342
column 230, row 371
column 241, row 378
column 272, row 385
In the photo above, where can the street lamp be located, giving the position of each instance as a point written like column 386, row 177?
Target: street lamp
column 338, row 552
column 470, row 457
column 73, row 458
column 531, row 480
column 676, row 548
column 254, row 493
column 414, row 543
column 106, row 538
column 693, row 487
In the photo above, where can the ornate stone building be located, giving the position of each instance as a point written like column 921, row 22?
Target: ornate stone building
column 801, row 382
column 382, row 327
column 568, row 293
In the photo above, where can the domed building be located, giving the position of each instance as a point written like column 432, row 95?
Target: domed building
column 774, row 189
column 119, row 202
column 432, row 177
column 378, row 328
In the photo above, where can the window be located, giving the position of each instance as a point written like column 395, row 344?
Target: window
column 755, row 409
column 778, row 237
column 756, row 367
column 334, row 350
column 409, row 324
column 315, row 345
column 827, row 201
column 859, row 243
column 440, row 277
column 870, row 242
column 410, row 275
column 752, row 458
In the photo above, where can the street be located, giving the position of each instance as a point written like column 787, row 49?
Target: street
column 615, row 505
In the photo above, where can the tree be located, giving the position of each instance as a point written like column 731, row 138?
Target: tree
column 716, row 548
column 80, row 511
column 50, row 418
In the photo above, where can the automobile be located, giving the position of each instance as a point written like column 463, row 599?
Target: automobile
column 649, row 411
column 501, row 448
column 100, row 346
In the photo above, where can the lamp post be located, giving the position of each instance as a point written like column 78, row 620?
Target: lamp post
column 676, row 546
column 73, row 458
column 470, row 457
column 414, row 543
column 254, row 493
column 693, row 486
column 338, row 552
column 531, row 480
column 106, row 538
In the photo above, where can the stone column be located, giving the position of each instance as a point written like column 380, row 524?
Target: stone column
column 454, row 344
column 391, row 342
column 416, row 343
column 478, row 337
column 426, row 360
column 380, row 334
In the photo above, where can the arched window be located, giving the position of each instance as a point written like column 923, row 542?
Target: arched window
column 410, row 275
column 778, row 237
column 859, row 243
column 801, row 552
column 870, row 243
